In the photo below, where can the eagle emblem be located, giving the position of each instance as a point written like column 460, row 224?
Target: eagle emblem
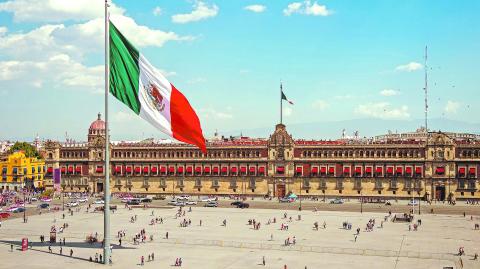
column 156, row 99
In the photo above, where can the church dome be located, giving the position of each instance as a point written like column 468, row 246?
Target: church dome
column 99, row 124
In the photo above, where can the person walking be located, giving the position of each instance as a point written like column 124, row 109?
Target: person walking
column 11, row 247
column 71, row 252
column 142, row 260
column 263, row 260
column 166, row 235
column 153, row 257
column 61, row 250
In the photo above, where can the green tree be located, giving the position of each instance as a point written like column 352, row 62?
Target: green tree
column 30, row 151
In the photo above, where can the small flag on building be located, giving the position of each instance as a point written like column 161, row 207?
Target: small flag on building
column 140, row 86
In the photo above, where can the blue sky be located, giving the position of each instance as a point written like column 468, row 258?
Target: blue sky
column 338, row 60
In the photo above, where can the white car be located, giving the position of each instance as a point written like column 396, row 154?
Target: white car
column 72, row 204
column 206, row 199
column 183, row 197
column 172, row 202
column 82, row 200
column 190, row 202
column 99, row 202
column 126, row 199
column 180, row 203
column 413, row 202
column 34, row 199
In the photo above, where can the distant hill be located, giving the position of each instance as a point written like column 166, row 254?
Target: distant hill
column 366, row 127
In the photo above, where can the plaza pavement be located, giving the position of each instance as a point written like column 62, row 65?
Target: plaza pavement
column 238, row 245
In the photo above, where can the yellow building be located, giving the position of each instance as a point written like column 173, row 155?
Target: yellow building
column 20, row 171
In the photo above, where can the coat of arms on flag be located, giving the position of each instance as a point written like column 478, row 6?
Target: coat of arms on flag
column 155, row 97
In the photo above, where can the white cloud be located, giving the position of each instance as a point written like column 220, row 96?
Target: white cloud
column 389, row 92
column 157, row 11
column 256, row 8
column 307, row 8
column 320, row 104
column 411, row 66
column 211, row 113
column 344, row 97
column 383, row 110
column 167, row 73
column 201, row 11
column 59, row 71
column 287, row 111
column 3, row 30
column 197, row 80
column 452, row 107
column 57, row 10
column 121, row 116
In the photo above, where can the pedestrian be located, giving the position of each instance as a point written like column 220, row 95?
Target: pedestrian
column 263, row 260
column 166, row 235
column 61, row 250
column 11, row 247
column 100, row 258
column 153, row 257
column 148, row 257
column 50, row 249
column 142, row 260
column 64, row 241
column 356, row 238
column 71, row 252
column 271, row 237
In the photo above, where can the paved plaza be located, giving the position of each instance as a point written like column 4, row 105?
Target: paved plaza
column 239, row 245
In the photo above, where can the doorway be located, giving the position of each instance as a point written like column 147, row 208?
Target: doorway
column 99, row 187
column 280, row 190
column 440, row 193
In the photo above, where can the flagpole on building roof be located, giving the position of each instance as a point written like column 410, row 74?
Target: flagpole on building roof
column 281, row 102
column 106, row 184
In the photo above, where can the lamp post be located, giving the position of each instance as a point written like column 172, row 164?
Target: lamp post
column 300, row 197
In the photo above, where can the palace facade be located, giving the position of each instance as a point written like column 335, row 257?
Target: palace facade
column 431, row 165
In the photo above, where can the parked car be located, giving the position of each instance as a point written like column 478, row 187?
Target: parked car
column 190, row 202
column 211, row 204
column 12, row 209
column 285, row 200
column 99, row 202
column 72, row 204
column 146, row 200
column 236, row 203
column 336, row 201
column 43, row 206
column 159, row 197
column 34, row 199
column 180, row 203
column 243, row 205
column 4, row 215
column 46, row 199
column 183, row 197
column 172, row 202
column 82, row 200
column 19, row 210
column 134, row 202
column 206, row 199
column 413, row 202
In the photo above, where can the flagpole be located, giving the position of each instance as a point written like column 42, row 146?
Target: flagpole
column 281, row 103
column 106, row 208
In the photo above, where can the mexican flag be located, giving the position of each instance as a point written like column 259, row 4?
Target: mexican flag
column 140, row 86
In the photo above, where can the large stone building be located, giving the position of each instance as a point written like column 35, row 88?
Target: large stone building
column 434, row 166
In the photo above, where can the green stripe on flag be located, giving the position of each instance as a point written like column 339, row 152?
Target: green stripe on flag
column 124, row 71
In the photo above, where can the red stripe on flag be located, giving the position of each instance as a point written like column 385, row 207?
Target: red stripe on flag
column 185, row 123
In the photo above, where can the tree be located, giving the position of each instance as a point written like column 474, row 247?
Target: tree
column 30, row 151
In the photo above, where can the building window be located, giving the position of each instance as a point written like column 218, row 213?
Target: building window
column 215, row 183
column 358, row 183
column 180, row 182
column 393, row 183
column 323, row 183
column 198, row 182
column 471, row 184
column 306, row 183
column 378, row 184
column 339, row 184
column 408, row 184
column 233, row 184
column 252, row 183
